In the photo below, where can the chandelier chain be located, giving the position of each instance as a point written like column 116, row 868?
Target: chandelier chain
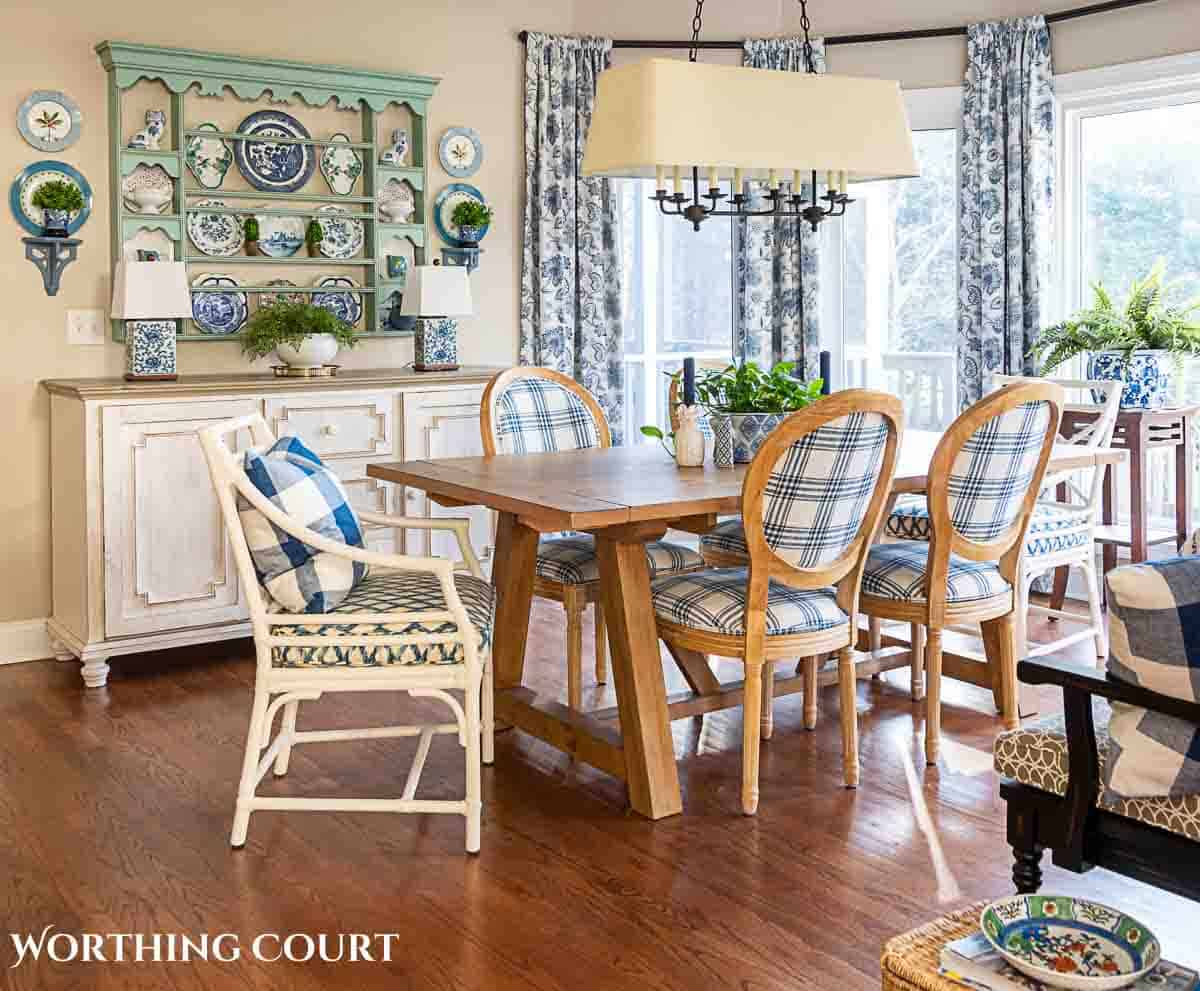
column 697, row 23
column 810, row 61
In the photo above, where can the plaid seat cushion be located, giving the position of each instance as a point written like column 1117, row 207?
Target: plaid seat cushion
column 572, row 560
column 818, row 491
column 1051, row 528
column 727, row 537
column 538, row 416
column 897, row 571
column 716, row 601
column 297, row 577
column 995, row 469
column 1036, row 755
column 1154, row 633
column 391, row 592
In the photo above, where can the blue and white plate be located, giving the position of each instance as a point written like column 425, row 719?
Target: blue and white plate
column 49, row 120
column 342, row 236
column 216, row 234
column 280, row 293
column 208, row 159
column 444, row 206
column 218, row 313
column 337, row 300
column 280, row 237
column 30, row 179
column 268, row 165
column 460, row 152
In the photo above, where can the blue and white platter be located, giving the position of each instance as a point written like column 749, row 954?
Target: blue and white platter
column 444, row 205
column 280, row 293
column 337, row 299
column 269, row 165
column 342, row 236
column 218, row 313
column 49, row 120
column 30, row 179
column 280, row 237
column 217, row 234
column 460, row 152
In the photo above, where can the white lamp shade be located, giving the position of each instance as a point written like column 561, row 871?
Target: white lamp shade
column 437, row 291
column 668, row 112
column 151, row 291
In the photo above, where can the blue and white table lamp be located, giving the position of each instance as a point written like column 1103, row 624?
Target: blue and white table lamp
column 150, row 297
column 436, row 295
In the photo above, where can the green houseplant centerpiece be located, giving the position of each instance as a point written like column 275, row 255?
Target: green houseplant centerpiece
column 471, row 217
column 1141, row 345
column 57, row 200
column 303, row 335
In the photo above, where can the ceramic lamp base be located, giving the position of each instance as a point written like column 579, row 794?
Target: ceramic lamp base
column 150, row 351
column 436, row 344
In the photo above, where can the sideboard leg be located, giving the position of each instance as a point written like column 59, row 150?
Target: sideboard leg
column 61, row 651
column 95, row 672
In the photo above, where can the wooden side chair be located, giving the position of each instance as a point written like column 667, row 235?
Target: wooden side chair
column 812, row 500
column 1061, row 530
column 411, row 625
column 984, row 479
column 531, row 410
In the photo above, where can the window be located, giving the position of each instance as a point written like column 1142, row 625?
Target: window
column 678, row 298
column 890, row 284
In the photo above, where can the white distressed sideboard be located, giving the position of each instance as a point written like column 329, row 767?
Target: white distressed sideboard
column 140, row 558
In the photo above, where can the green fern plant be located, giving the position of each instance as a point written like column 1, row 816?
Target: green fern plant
column 1147, row 323
column 283, row 322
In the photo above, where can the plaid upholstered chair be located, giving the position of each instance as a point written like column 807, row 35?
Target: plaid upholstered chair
column 812, row 500
column 531, row 410
column 388, row 623
column 983, row 481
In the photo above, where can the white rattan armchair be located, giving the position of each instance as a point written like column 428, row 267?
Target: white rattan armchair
column 284, row 688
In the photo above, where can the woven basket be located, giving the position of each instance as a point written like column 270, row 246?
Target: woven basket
column 910, row 962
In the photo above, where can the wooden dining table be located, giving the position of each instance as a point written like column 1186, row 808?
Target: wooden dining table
column 626, row 497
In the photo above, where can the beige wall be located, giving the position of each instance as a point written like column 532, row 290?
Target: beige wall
column 470, row 44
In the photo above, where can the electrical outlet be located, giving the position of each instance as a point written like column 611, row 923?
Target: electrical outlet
column 85, row 327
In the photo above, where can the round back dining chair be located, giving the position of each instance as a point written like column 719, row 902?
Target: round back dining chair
column 531, row 410
column 812, row 500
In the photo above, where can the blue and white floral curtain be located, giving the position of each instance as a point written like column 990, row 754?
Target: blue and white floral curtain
column 570, row 266
column 1006, row 199
column 776, row 296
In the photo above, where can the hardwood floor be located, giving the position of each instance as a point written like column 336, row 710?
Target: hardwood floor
column 115, row 809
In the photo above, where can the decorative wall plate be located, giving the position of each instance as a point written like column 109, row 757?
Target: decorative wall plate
column 33, row 177
column 341, row 166
column 342, row 304
column 397, row 202
column 217, row 234
column 267, row 165
column 49, row 120
column 218, row 313
column 282, row 296
column 148, row 189
column 460, row 152
column 208, row 159
column 156, row 241
column 280, row 237
column 444, row 206
column 342, row 236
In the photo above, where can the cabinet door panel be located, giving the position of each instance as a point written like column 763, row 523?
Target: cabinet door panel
column 168, row 563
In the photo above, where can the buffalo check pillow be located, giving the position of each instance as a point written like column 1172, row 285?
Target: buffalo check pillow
column 297, row 577
column 1154, row 633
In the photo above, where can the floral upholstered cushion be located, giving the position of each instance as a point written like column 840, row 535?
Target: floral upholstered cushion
column 572, row 560
column 391, row 592
column 716, row 601
column 1036, row 755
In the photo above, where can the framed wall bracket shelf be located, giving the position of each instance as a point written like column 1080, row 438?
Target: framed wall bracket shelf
column 230, row 86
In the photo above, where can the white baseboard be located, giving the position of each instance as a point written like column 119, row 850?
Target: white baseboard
column 24, row 640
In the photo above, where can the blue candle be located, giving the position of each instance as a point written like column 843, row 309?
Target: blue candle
column 689, row 381
column 826, row 372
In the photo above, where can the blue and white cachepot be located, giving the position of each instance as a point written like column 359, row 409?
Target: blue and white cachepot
column 1149, row 377
column 55, row 222
column 749, row 431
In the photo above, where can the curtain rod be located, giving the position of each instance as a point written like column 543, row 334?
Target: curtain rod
column 864, row 39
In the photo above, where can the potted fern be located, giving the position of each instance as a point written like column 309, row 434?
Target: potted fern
column 303, row 335
column 1142, row 344
column 57, row 200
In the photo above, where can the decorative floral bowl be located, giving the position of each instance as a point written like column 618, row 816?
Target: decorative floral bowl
column 1070, row 942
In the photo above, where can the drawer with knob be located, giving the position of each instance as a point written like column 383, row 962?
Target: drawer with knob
column 349, row 424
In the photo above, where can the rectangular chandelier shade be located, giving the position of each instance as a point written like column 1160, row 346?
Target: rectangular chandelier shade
column 662, row 113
